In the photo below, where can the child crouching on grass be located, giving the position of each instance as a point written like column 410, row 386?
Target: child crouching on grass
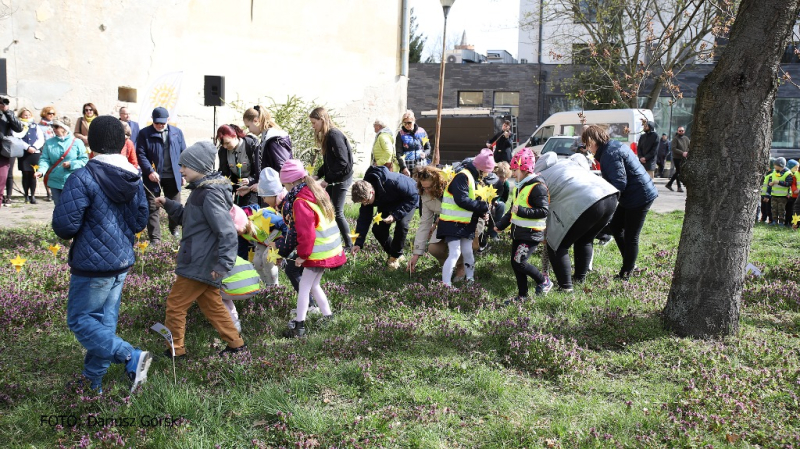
column 102, row 206
column 527, row 217
column 309, row 212
column 208, row 248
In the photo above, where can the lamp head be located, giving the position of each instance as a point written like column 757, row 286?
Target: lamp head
column 446, row 4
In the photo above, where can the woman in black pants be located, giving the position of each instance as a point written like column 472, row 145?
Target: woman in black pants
column 581, row 204
column 336, row 172
column 619, row 166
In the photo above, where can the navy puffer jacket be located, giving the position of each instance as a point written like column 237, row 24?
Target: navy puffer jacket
column 395, row 195
column 620, row 167
column 102, row 206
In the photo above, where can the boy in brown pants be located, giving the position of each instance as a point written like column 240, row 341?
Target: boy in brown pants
column 208, row 248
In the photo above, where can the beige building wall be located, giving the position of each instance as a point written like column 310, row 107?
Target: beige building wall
column 344, row 54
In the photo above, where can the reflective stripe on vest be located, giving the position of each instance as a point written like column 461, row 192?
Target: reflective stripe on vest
column 328, row 239
column 780, row 190
column 521, row 200
column 242, row 279
column 452, row 211
column 765, row 185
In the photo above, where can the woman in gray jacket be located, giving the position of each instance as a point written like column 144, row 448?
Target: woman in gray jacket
column 581, row 204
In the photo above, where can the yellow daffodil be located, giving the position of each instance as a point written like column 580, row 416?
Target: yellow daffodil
column 309, row 168
column 377, row 219
column 139, row 235
column 18, row 263
column 448, row 172
column 35, row 167
column 272, row 255
column 54, row 249
column 239, row 165
column 353, row 237
column 488, row 193
column 142, row 245
column 261, row 221
column 795, row 219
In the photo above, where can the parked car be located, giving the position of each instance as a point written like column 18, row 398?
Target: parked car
column 561, row 145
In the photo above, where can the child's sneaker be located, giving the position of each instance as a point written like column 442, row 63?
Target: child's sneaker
column 297, row 329
column 544, row 287
column 137, row 366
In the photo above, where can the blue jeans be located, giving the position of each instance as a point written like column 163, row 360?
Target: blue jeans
column 92, row 313
column 56, row 193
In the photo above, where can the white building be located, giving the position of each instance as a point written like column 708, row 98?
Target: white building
column 345, row 55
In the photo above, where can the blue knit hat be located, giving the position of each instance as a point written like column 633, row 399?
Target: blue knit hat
column 791, row 164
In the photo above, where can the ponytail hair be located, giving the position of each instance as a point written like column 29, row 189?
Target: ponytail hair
column 321, row 196
column 262, row 118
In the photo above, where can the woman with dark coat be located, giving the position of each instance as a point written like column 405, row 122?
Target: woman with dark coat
column 620, row 167
column 336, row 173
column 238, row 161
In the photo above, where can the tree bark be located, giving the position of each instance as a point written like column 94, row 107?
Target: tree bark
column 729, row 152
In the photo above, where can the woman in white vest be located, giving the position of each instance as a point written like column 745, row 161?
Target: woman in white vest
column 581, row 204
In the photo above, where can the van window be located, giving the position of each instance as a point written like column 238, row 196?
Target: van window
column 570, row 130
column 541, row 137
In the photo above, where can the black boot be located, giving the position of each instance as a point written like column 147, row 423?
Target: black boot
column 297, row 329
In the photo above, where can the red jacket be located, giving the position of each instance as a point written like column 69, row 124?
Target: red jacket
column 129, row 151
column 305, row 224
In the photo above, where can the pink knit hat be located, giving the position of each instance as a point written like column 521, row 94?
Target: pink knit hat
column 484, row 161
column 524, row 160
column 292, row 170
column 239, row 218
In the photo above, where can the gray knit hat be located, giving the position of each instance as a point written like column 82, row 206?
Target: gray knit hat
column 200, row 157
column 780, row 162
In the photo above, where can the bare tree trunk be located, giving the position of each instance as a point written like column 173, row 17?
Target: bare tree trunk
column 729, row 151
column 652, row 97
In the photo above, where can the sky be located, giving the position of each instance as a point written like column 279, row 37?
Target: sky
column 490, row 24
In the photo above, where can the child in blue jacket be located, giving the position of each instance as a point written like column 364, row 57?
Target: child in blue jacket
column 102, row 206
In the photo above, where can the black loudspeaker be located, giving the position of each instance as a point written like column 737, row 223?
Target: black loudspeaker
column 3, row 80
column 214, row 90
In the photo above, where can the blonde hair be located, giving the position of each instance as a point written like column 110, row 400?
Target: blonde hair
column 321, row 196
column 249, row 229
column 21, row 110
column 503, row 170
column 262, row 118
column 321, row 137
column 408, row 114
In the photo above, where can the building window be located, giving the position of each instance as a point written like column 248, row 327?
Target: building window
column 790, row 55
column 586, row 11
column 470, row 99
column 786, row 123
column 507, row 102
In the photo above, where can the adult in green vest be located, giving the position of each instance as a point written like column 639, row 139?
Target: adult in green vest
column 765, row 207
column 460, row 213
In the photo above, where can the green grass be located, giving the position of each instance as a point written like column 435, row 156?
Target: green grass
column 408, row 363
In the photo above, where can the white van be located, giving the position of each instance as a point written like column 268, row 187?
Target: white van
column 624, row 125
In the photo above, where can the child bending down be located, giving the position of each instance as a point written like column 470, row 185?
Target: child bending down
column 309, row 213
column 527, row 218
column 208, row 248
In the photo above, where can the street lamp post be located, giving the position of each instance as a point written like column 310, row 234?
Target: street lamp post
column 446, row 4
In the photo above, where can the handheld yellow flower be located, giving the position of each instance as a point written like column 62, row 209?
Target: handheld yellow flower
column 354, row 237
column 142, row 246
column 18, row 263
column 309, row 169
column 139, row 235
column 795, row 219
column 260, row 221
column 377, row 219
column 35, row 167
column 488, row 193
column 272, row 255
column 251, row 255
column 448, row 172
column 239, row 165
column 54, row 249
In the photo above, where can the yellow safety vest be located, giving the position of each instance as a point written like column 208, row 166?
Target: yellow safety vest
column 780, row 190
column 521, row 200
column 765, row 185
column 452, row 211
column 242, row 280
column 328, row 240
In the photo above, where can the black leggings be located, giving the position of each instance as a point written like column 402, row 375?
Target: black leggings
column 626, row 226
column 581, row 235
column 28, row 183
column 521, row 250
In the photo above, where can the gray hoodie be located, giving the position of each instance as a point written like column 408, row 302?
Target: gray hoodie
column 209, row 240
column 573, row 189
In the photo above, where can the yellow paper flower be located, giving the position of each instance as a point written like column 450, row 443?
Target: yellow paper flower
column 35, row 167
column 239, row 165
column 251, row 255
column 354, row 236
column 260, row 221
column 142, row 245
column 488, row 193
column 54, row 249
column 272, row 255
column 448, row 172
column 18, row 262
column 139, row 235
column 377, row 219
column 309, row 168
column 795, row 219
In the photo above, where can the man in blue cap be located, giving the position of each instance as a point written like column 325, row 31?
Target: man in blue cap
column 158, row 148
